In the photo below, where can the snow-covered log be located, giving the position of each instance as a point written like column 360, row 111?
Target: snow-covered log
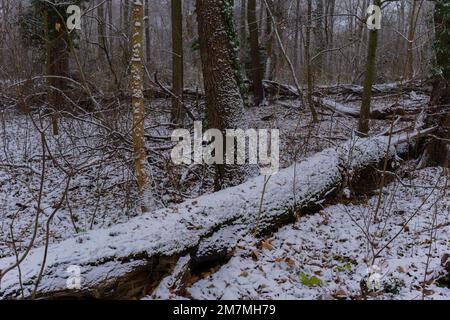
column 378, row 89
column 131, row 259
column 376, row 113
column 278, row 89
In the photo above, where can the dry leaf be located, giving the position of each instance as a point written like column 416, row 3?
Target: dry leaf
column 267, row 245
column 400, row 269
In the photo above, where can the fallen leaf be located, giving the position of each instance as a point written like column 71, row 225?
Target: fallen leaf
column 400, row 269
column 267, row 245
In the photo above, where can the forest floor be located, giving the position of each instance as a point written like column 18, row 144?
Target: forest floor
column 328, row 255
column 321, row 256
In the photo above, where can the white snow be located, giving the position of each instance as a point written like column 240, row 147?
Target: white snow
column 332, row 247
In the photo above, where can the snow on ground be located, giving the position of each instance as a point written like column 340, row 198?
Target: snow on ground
column 102, row 192
column 329, row 245
column 98, row 193
column 326, row 255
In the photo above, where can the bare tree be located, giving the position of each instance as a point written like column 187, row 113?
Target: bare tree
column 255, row 56
column 363, row 124
column 177, row 60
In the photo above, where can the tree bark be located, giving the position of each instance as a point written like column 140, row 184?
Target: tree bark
column 101, row 31
column 137, row 86
column 363, row 124
column 437, row 149
column 319, row 38
column 411, row 35
column 256, row 67
column 177, row 61
column 243, row 32
column 147, row 32
column 309, row 69
column 224, row 104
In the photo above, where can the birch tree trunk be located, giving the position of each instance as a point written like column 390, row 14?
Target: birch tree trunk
column 137, row 85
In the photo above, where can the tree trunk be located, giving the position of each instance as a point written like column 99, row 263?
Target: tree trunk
column 319, row 39
column 411, row 35
column 137, row 86
column 57, row 58
column 177, row 61
column 126, row 29
column 296, row 38
column 147, row 31
column 309, row 71
column 256, row 67
column 330, row 38
column 363, row 125
column 224, row 103
column 243, row 31
column 438, row 114
column 101, row 31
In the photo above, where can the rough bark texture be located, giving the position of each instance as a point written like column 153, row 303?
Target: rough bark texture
column 256, row 67
column 57, row 58
column 437, row 149
column 147, row 32
column 177, row 60
column 101, row 30
column 224, row 103
column 130, row 260
column 319, row 35
column 309, row 71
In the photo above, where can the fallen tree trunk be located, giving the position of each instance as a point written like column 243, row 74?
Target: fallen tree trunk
column 278, row 89
column 387, row 88
column 383, row 113
column 130, row 260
